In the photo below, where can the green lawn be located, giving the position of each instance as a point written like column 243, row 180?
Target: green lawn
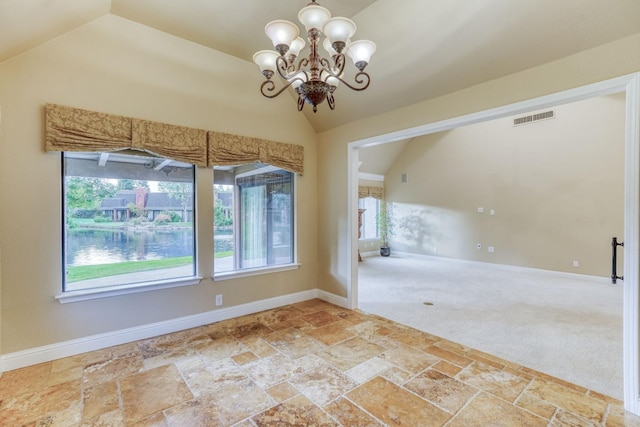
column 86, row 272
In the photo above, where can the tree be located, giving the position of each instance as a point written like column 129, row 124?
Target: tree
column 221, row 215
column 86, row 193
column 132, row 184
column 180, row 191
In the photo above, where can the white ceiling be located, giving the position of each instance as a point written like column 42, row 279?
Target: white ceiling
column 426, row 48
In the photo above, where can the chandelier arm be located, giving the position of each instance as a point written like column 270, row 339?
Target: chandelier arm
column 331, row 101
column 362, row 79
column 269, row 86
column 287, row 70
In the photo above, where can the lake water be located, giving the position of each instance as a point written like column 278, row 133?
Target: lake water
column 92, row 246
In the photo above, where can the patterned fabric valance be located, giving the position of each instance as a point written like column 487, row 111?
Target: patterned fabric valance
column 375, row 192
column 73, row 129
column 227, row 149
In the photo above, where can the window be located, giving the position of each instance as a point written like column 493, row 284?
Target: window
column 128, row 220
column 254, row 217
column 369, row 228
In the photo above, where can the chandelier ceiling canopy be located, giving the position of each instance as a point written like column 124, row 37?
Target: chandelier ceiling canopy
column 313, row 77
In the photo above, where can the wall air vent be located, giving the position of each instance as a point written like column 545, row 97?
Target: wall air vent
column 525, row 120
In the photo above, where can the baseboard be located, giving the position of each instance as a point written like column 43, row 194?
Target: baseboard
column 59, row 350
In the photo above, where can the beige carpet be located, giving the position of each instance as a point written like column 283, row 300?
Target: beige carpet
column 566, row 325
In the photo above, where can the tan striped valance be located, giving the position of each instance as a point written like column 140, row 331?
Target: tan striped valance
column 375, row 192
column 74, row 129
column 227, row 149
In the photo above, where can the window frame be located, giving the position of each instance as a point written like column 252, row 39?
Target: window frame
column 255, row 271
column 68, row 296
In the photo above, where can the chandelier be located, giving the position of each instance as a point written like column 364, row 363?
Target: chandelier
column 313, row 77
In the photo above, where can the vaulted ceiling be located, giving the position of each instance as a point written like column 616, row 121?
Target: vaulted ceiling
column 426, row 48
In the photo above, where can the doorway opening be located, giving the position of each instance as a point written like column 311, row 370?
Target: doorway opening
column 630, row 86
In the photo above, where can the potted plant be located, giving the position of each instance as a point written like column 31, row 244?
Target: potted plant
column 385, row 226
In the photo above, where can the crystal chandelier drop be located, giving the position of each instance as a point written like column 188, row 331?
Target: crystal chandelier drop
column 313, row 77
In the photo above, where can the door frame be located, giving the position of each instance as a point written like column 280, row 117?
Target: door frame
column 630, row 85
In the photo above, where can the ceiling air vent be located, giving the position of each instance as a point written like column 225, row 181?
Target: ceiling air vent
column 525, row 120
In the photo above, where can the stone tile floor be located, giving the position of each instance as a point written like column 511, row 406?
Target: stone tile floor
column 307, row 364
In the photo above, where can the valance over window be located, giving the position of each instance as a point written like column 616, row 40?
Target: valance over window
column 375, row 192
column 227, row 149
column 74, row 129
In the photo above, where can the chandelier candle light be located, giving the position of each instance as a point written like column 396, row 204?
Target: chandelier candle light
column 314, row 78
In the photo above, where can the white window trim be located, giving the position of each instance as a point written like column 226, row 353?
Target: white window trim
column 248, row 272
column 131, row 288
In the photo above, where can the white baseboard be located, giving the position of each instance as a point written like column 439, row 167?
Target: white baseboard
column 59, row 350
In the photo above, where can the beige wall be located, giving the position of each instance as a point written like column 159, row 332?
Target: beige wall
column 116, row 66
column 556, row 188
column 601, row 63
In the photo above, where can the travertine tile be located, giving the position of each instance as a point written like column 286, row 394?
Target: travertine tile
column 396, row 375
column 322, row 385
column 449, row 356
column 535, row 405
column 178, row 357
column 305, row 364
column 294, row 343
column 80, row 360
column 333, row 333
column 60, row 377
column 155, row 420
column 100, row 399
column 269, row 371
column 368, row 369
column 278, row 315
column 117, row 367
column 320, row 318
column 253, row 329
column 109, row 419
column 220, row 347
column 498, row 382
column 350, row 353
column 569, row 399
column 567, row 419
column 161, row 345
column 68, row 417
column 297, row 411
column 148, row 392
column 244, row 358
column 349, row 414
column 371, row 330
column 24, row 380
column 413, row 338
column 486, row 410
column 22, row 409
column 447, row 368
column 409, row 359
column 283, row 391
column 393, row 405
column 444, row 391
column 259, row 347
column 60, row 397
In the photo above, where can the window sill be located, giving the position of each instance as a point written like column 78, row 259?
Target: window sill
column 112, row 291
column 254, row 272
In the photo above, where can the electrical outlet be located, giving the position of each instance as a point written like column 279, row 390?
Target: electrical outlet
column 218, row 300
column 480, row 210
column 491, row 249
column 576, row 263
